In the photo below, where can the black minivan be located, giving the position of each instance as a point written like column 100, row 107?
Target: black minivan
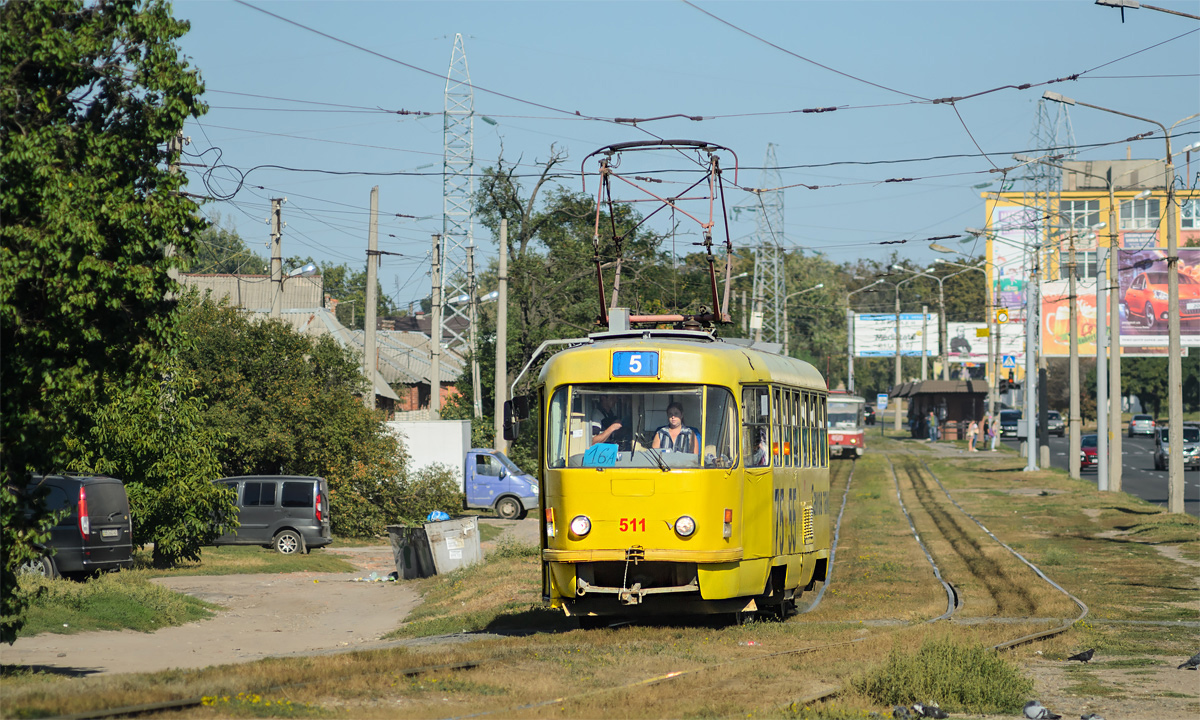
column 288, row 512
column 96, row 534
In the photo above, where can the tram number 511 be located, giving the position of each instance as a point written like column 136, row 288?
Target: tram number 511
column 786, row 531
column 632, row 525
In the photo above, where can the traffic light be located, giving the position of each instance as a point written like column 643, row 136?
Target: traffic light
column 1003, row 385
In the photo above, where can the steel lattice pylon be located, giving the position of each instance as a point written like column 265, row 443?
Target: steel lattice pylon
column 1052, row 134
column 768, row 249
column 458, row 190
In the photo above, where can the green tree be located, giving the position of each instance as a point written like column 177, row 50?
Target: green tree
column 153, row 436
column 348, row 287
column 92, row 94
column 289, row 404
column 222, row 250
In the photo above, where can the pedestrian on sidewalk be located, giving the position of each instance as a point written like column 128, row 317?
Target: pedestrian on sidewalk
column 972, row 433
column 993, row 434
column 934, row 433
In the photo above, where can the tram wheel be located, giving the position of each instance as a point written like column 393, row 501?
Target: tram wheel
column 744, row 617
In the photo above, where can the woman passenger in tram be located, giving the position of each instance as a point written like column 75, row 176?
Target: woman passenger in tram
column 675, row 436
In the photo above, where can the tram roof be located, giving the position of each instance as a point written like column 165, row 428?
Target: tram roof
column 738, row 359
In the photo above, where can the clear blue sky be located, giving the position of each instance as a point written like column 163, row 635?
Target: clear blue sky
column 643, row 59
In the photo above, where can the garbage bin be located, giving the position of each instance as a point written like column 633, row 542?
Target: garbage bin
column 436, row 547
column 454, row 543
column 410, row 551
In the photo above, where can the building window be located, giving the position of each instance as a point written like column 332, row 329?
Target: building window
column 1085, row 265
column 1139, row 214
column 1080, row 214
column 1190, row 214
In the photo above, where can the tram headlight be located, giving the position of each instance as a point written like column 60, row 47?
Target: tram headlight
column 580, row 525
column 685, row 526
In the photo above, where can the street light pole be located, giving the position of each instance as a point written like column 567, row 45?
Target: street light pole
column 898, row 375
column 786, row 351
column 850, row 336
column 1174, row 366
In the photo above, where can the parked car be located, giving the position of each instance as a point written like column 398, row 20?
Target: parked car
column 96, row 534
column 868, row 414
column 1008, row 422
column 1191, row 447
column 1054, row 423
column 1146, row 298
column 287, row 512
column 1141, row 425
column 1088, row 455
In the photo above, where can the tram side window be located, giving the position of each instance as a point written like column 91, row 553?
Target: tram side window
column 556, row 430
column 822, row 427
column 755, row 437
column 777, row 427
column 794, row 419
column 720, row 429
column 814, row 425
column 780, row 422
column 805, row 429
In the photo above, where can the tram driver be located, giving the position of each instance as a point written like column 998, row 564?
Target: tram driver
column 608, row 426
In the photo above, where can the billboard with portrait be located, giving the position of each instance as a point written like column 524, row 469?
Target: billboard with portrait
column 968, row 346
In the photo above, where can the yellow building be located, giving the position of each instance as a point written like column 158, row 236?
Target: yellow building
column 1129, row 197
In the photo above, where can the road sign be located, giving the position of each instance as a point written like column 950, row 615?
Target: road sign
column 1001, row 315
column 881, row 401
column 1009, row 361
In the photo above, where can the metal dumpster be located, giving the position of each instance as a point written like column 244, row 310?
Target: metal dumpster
column 435, row 547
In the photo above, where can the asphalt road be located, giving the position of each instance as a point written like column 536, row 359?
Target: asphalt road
column 1138, row 476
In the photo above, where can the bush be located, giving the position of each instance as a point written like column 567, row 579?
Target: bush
column 433, row 487
column 957, row 676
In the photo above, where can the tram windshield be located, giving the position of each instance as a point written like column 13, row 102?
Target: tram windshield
column 636, row 426
column 844, row 415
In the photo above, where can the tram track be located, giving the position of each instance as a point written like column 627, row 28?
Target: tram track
column 953, row 599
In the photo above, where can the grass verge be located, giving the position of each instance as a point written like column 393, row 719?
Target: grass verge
column 117, row 601
column 244, row 559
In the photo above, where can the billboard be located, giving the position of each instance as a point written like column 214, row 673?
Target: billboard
column 1142, row 294
column 1013, row 229
column 875, row 335
column 966, row 345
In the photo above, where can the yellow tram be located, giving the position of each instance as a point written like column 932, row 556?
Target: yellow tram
column 680, row 474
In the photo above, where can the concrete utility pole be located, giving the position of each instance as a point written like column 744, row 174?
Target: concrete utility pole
column 1114, row 360
column 370, row 362
column 501, row 391
column 174, row 149
column 1031, row 328
column 435, row 332
column 1174, row 366
column 1076, row 421
column 473, row 298
column 1102, row 437
column 849, row 347
column 925, row 342
column 277, row 256
column 896, row 411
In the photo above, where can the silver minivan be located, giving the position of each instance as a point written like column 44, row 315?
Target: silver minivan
column 287, row 512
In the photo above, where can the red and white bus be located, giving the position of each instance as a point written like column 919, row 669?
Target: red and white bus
column 847, row 438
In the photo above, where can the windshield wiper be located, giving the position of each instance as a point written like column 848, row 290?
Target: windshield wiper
column 658, row 458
